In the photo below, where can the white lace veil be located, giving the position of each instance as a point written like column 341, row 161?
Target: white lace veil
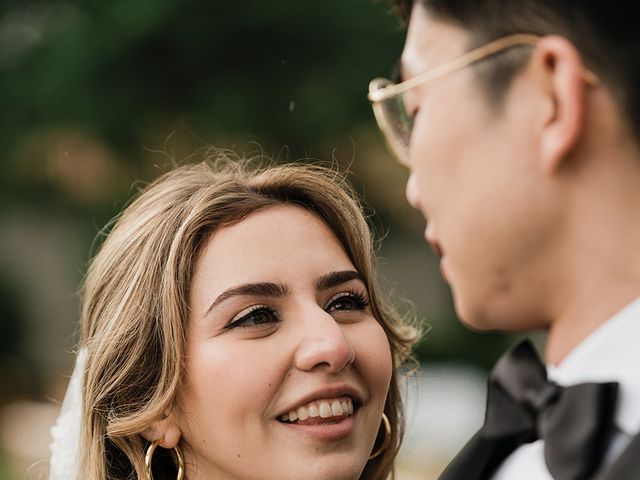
column 65, row 447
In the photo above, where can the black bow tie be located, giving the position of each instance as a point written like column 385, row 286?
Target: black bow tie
column 575, row 422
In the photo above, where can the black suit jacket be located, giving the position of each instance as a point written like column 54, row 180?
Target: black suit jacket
column 480, row 458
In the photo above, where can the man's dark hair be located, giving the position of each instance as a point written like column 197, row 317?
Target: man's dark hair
column 607, row 34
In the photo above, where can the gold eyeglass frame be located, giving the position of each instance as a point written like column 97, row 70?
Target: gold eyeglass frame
column 378, row 94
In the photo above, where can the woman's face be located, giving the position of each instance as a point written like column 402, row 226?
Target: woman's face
column 287, row 368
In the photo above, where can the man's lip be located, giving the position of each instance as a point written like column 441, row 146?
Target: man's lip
column 326, row 393
column 437, row 249
column 444, row 269
column 430, row 237
column 433, row 243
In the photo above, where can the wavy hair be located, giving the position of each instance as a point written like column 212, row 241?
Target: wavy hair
column 135, row 299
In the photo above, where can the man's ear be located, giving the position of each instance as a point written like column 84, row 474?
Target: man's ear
column 166, row 431
column 564, row 79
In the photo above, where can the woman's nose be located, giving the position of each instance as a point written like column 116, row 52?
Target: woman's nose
column 324, row 345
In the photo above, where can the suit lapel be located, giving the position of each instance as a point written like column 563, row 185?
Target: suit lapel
column 479, row 458
column 627, row 466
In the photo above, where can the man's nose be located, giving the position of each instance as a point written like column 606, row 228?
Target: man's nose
column 323, row 345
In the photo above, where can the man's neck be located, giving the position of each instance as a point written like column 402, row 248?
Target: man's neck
column 600, row 257
column 566, row 334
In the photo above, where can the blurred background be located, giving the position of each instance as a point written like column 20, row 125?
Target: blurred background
column 99, row 97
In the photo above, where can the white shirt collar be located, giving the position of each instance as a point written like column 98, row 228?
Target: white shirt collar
column 610, row 354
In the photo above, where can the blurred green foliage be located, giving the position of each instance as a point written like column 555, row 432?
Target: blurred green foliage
column 89, row 90
column 283, row 73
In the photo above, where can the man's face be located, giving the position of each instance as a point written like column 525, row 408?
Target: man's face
column 475, row 176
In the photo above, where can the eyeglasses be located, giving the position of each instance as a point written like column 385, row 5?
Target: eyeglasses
column 386, row 96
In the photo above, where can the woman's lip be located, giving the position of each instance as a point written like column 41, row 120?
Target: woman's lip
column 326, row 432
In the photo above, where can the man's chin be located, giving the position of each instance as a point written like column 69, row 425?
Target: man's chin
column 479, row 325
column 485, row 319
column 479, row 317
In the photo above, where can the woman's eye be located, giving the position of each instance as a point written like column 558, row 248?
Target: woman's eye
column 256, row 316
column 347, row 301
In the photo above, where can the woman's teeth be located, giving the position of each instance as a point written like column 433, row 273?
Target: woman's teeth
column 320, row 408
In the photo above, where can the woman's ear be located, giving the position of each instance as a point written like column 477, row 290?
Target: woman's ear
column 166, row 431
column 563, row 76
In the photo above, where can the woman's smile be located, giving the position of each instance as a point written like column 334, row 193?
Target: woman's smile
column 326, row 419
column 319, row 411
column 328, row 429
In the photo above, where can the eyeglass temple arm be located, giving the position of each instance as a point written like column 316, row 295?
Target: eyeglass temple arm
column 464, row 60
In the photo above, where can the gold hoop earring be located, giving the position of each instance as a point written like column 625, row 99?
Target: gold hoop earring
column 387, row 437
column 148, row 458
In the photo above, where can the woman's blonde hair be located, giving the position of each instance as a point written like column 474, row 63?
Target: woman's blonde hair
column 134, row 316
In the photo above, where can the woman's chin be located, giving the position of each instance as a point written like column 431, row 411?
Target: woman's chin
column 347, row 471
column 329, row 467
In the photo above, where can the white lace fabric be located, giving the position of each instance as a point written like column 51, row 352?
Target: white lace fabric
column 65, row 447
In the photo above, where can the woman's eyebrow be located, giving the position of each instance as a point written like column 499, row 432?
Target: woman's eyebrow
column 334, row 279
column 260, row 289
